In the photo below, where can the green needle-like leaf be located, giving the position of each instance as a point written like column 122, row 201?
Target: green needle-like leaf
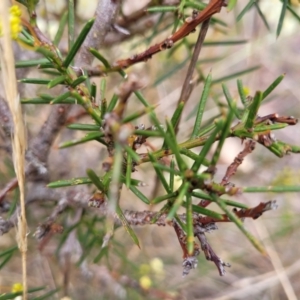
column 234, row 75
column 30, row 63
column 204, row 211
column 69, row 182
column 84, row 127
column 112, row 103
column 114, row 188
column 239, row 224
column 170, row 197
column 224, row 43
column 189, row 224
column 272, row 86
column 205, row 196
column 207, row 146
column 85, row 101
column 160, row 174
column 201, row 106
column 177, row 114
column 179, row 200
column 242, row 92
column 8, row 251
column 281, row 17
column 231, row 4
column 100, row 57
column 175, row 119
column 165, row 168
column 35, row 81
column 161, row 9
column 138, row 114
column 170, row 139
column 266, row 128
column 172, row 175
column 245, row 10
column 230, row 101
column 5, row 260
column 45, row 101
column 102, row 88
column 61, row 98
column 128, row 171
column 71, row 23
column 93, row 91
column 211, row 126
column 253, row 109
column 139, row 194
column 132, row 153
column 272, row 189
column 142, row 99
column 262, row 16
column 293, row 12
column 78, row 81
column 61, row 27
column 95, row 180
column 88, row 137
column 223, row 136
column 126, row 225
column 194, row 156
column 50, row 55
column 77, row 44
column 103, row 252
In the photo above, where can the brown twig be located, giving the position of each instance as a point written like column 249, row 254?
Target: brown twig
column 276, row 119
column 187, row 86
column 141, row 218
column 208, row 251
column 8, row 187
column 231, row 170
column 253, row 213
column 189, row 26
column 189, row 261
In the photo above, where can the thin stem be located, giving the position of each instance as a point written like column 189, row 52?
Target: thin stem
column 187, row 86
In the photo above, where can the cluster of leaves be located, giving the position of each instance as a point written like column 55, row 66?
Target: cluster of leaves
column 123, row 140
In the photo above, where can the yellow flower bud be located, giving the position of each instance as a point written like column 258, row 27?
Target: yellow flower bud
column 246, row 90
column 17, row 287
column 145, row 282
column 157, row 265
column 15, row 11
column 15, row 22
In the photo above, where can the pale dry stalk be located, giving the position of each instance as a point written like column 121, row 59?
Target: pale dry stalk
column 18, row 137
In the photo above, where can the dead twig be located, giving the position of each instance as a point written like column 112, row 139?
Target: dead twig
column 208, row 251
column 253, row 213
column 231, row 170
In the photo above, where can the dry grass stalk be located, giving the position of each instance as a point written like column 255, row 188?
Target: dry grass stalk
column 18, row 137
